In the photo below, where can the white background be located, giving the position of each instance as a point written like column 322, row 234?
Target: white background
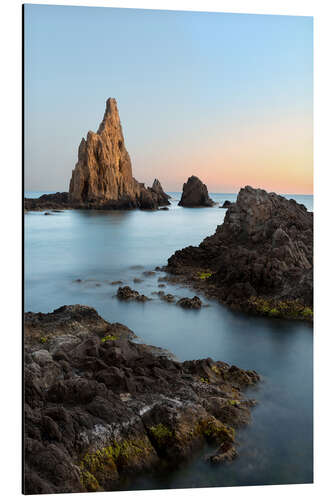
column 10, row 289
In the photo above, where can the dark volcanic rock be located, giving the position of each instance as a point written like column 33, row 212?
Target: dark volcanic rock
column 127, row 293
column 195, row 194
column 167, row 297
column 162, row 197
column 187, row 303
column 226, row 204
column 260, row 259
column 99, row 406
column 55, row 201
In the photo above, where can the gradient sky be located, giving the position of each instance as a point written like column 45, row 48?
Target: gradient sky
column 226, row 97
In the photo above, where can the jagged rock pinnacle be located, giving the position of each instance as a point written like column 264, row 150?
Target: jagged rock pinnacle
column 103, row 173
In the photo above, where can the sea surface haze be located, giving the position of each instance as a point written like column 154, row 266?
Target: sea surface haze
column 99, row 247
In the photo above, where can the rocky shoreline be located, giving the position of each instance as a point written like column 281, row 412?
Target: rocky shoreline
column 100, row 406
column 260, row 260
column 150, row 198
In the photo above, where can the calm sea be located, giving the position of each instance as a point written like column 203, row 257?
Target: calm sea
column 99, row 247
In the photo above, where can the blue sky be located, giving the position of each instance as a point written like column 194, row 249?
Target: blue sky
column 227, row 97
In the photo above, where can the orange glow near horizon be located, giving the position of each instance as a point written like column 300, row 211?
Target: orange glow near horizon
column 273, row 156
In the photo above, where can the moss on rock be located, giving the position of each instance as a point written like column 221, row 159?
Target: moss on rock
column 105, row 463
column 161, row 434
column 204, row 275
column 89, row 482
column 108, row 337
column 289, row 309
column 214, row 430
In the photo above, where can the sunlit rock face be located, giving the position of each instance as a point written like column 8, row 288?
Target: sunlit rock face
column 103, row 172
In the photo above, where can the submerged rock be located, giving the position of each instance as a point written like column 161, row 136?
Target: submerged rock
column 225, row 453
column 195, row 194
column 149, row 273
column 167, row 297
column 99, row 406
column 259, row 260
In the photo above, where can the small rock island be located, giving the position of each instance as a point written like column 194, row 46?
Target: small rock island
column 195, row 194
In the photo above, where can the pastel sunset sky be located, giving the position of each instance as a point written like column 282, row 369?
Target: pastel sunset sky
column 226, row 97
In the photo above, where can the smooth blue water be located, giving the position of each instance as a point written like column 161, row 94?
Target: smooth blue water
column 99, row 247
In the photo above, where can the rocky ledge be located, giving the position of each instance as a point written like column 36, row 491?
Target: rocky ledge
column 54, row 201
column 259, row 260
column 99, row 406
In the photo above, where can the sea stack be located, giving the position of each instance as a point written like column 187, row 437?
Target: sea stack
column 195, row 194
column 102, row 177
column 162, row 197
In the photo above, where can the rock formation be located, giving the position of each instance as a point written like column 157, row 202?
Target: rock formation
column 102, row 177
column 55, row 201
column 260, row 259
column 187, row 303
column 162, row 197
column 103, row 173
column 99, row 406
column 226, row 204
column 127, row 293
column 195, row 194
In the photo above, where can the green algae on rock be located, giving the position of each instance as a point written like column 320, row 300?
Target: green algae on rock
column 99, row 407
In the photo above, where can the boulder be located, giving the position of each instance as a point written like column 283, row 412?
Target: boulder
column 187, row 303
column 195, row 194
column 127, row 293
